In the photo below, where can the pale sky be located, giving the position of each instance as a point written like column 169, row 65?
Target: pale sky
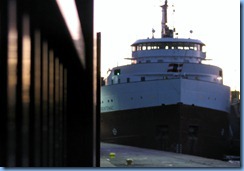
column 214, row 22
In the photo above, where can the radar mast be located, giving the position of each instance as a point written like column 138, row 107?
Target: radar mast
column 165, row 32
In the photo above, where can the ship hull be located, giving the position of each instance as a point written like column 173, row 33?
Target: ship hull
column 180, row 128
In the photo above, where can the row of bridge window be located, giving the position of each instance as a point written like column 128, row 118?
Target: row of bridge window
column 178, row 45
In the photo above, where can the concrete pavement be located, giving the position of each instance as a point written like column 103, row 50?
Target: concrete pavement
column 113, row 155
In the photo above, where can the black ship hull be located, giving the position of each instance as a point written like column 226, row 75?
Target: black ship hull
column 177, row 128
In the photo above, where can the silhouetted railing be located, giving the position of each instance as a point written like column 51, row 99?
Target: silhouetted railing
column 47, row 90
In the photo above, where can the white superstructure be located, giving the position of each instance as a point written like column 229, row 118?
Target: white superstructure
column 165, row 71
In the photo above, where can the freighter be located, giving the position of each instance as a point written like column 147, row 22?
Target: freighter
column 167, row 99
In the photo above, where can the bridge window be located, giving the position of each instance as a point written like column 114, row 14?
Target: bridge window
column 180, row 47
column 117, row 72
column 203, row 48
column 138, row 47
column 220, row 73
column 169, row 45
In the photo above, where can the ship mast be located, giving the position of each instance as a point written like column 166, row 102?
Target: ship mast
column 165, row 32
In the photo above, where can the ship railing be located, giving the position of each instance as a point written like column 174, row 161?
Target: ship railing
column 165, row 78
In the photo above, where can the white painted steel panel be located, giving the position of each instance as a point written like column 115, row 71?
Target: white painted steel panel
column 155, row 93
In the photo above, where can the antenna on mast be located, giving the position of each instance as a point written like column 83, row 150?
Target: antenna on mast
column 153, row 31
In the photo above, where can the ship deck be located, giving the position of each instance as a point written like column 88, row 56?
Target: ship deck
column 113, row 155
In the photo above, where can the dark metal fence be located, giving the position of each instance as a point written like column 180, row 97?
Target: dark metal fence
column 47, row 89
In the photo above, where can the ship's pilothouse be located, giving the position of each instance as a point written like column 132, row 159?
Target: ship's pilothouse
column 166, row 58
column 168, row 50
